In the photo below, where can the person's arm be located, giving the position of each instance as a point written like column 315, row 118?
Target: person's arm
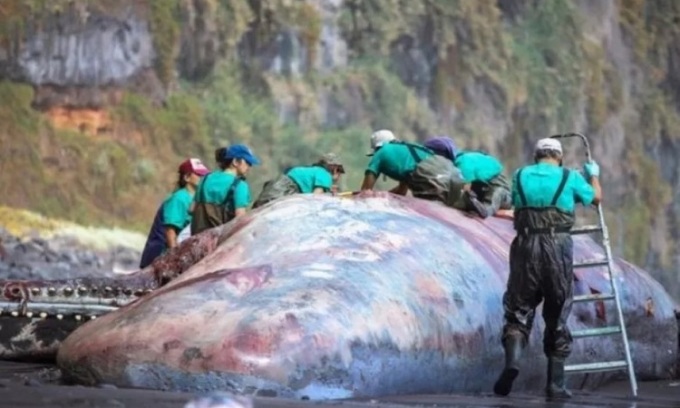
column 241, row 198
column 372, row 172
column 171, row 236
column 175, row 217
column 595, row 183
column 585, row 192
column 369, row 181
column 323, row 181
column 401, row 189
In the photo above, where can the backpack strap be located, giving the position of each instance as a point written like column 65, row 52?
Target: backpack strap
column 230, row 192
column 201, row 196
column 412, row 149
column 520, row 190
column 560, row 189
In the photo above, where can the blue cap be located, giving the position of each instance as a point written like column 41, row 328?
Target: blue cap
column 443, row 146
column 240, row 151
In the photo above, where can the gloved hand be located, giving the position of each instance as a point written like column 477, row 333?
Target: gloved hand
column 591, row 169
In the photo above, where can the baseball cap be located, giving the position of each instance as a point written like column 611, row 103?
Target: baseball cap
column 241, row 151
column 442, row 145
column 193, row 165
column 331, row 159
column 379, row 138
column 548, row 144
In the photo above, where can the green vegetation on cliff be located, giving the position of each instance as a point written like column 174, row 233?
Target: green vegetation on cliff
column 490, row 77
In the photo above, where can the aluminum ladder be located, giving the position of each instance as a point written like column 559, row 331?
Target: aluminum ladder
column 620, row 327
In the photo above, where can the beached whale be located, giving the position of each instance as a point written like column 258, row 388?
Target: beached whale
column 323, row 297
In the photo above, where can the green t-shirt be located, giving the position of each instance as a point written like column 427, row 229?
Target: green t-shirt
column 540, row 183
column 396, row 160
column 310, row 177
column 476, row 166
column 176, row 209
column 214, row 187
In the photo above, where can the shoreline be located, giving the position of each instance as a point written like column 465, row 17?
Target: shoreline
column 34, row 385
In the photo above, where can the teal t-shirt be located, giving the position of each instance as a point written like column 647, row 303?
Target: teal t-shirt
column 310, row 177
column 213, row 189
column 476, row 166
column 176, row 209
column 540, row 183
column 396, row 160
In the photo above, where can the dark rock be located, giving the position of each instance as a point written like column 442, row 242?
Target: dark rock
column 31, row 382
column 119, row 49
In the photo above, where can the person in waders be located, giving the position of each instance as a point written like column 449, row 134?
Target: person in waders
column 174, row 213
column 541, row 260
column 415, row 167
column 486, row 188
column 318, row 178
column 224, row 195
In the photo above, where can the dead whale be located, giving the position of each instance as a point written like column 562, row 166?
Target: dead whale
column 321, row 297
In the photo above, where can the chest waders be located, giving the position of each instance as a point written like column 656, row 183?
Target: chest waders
column 209, row 215
column 492, row 195
column 435, row 178
column 541, row 257
column 274, row 189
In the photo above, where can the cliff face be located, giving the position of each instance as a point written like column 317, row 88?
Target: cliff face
column 106, row 96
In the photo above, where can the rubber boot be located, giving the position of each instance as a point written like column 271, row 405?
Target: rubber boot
column 556, row 379
column 513, row 351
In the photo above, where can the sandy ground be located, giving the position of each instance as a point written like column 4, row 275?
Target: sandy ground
column 33, row 385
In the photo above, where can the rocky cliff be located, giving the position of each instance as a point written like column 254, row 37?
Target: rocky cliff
column 103, row 98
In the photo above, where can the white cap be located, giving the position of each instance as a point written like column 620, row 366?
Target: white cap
column 548, row 144
column 381, row 137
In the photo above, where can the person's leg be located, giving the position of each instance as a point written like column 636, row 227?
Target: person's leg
column 433, row 179
column 558, row 289
column 273, row 190
column 496, row 195
column 519, row 304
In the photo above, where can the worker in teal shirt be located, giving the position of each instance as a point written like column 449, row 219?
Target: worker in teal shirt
column 174, row 213
column 224, row 195
column 486, row 189
column 415, row 167
column 318, row 178
column 541, row 260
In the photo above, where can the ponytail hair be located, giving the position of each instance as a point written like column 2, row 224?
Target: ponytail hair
column 181, row 182
column 219, row 158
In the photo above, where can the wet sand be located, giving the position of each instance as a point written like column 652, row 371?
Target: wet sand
column 34, row 385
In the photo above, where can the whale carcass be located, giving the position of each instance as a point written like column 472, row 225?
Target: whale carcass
column 323, row 297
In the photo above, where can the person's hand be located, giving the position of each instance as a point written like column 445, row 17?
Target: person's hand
column 591, row 169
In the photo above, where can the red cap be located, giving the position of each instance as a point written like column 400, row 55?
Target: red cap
column 193, row 166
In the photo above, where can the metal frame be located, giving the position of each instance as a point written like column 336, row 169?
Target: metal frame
column 608, row 365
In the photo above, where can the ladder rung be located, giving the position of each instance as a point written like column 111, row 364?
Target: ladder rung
column 592, row 263
column 596, row 367
column 592, row 298
column 600, row 331
column 585, row 229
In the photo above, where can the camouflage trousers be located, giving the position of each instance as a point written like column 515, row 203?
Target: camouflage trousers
column 494, row 195
column 436, row 179
column 275, row 189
